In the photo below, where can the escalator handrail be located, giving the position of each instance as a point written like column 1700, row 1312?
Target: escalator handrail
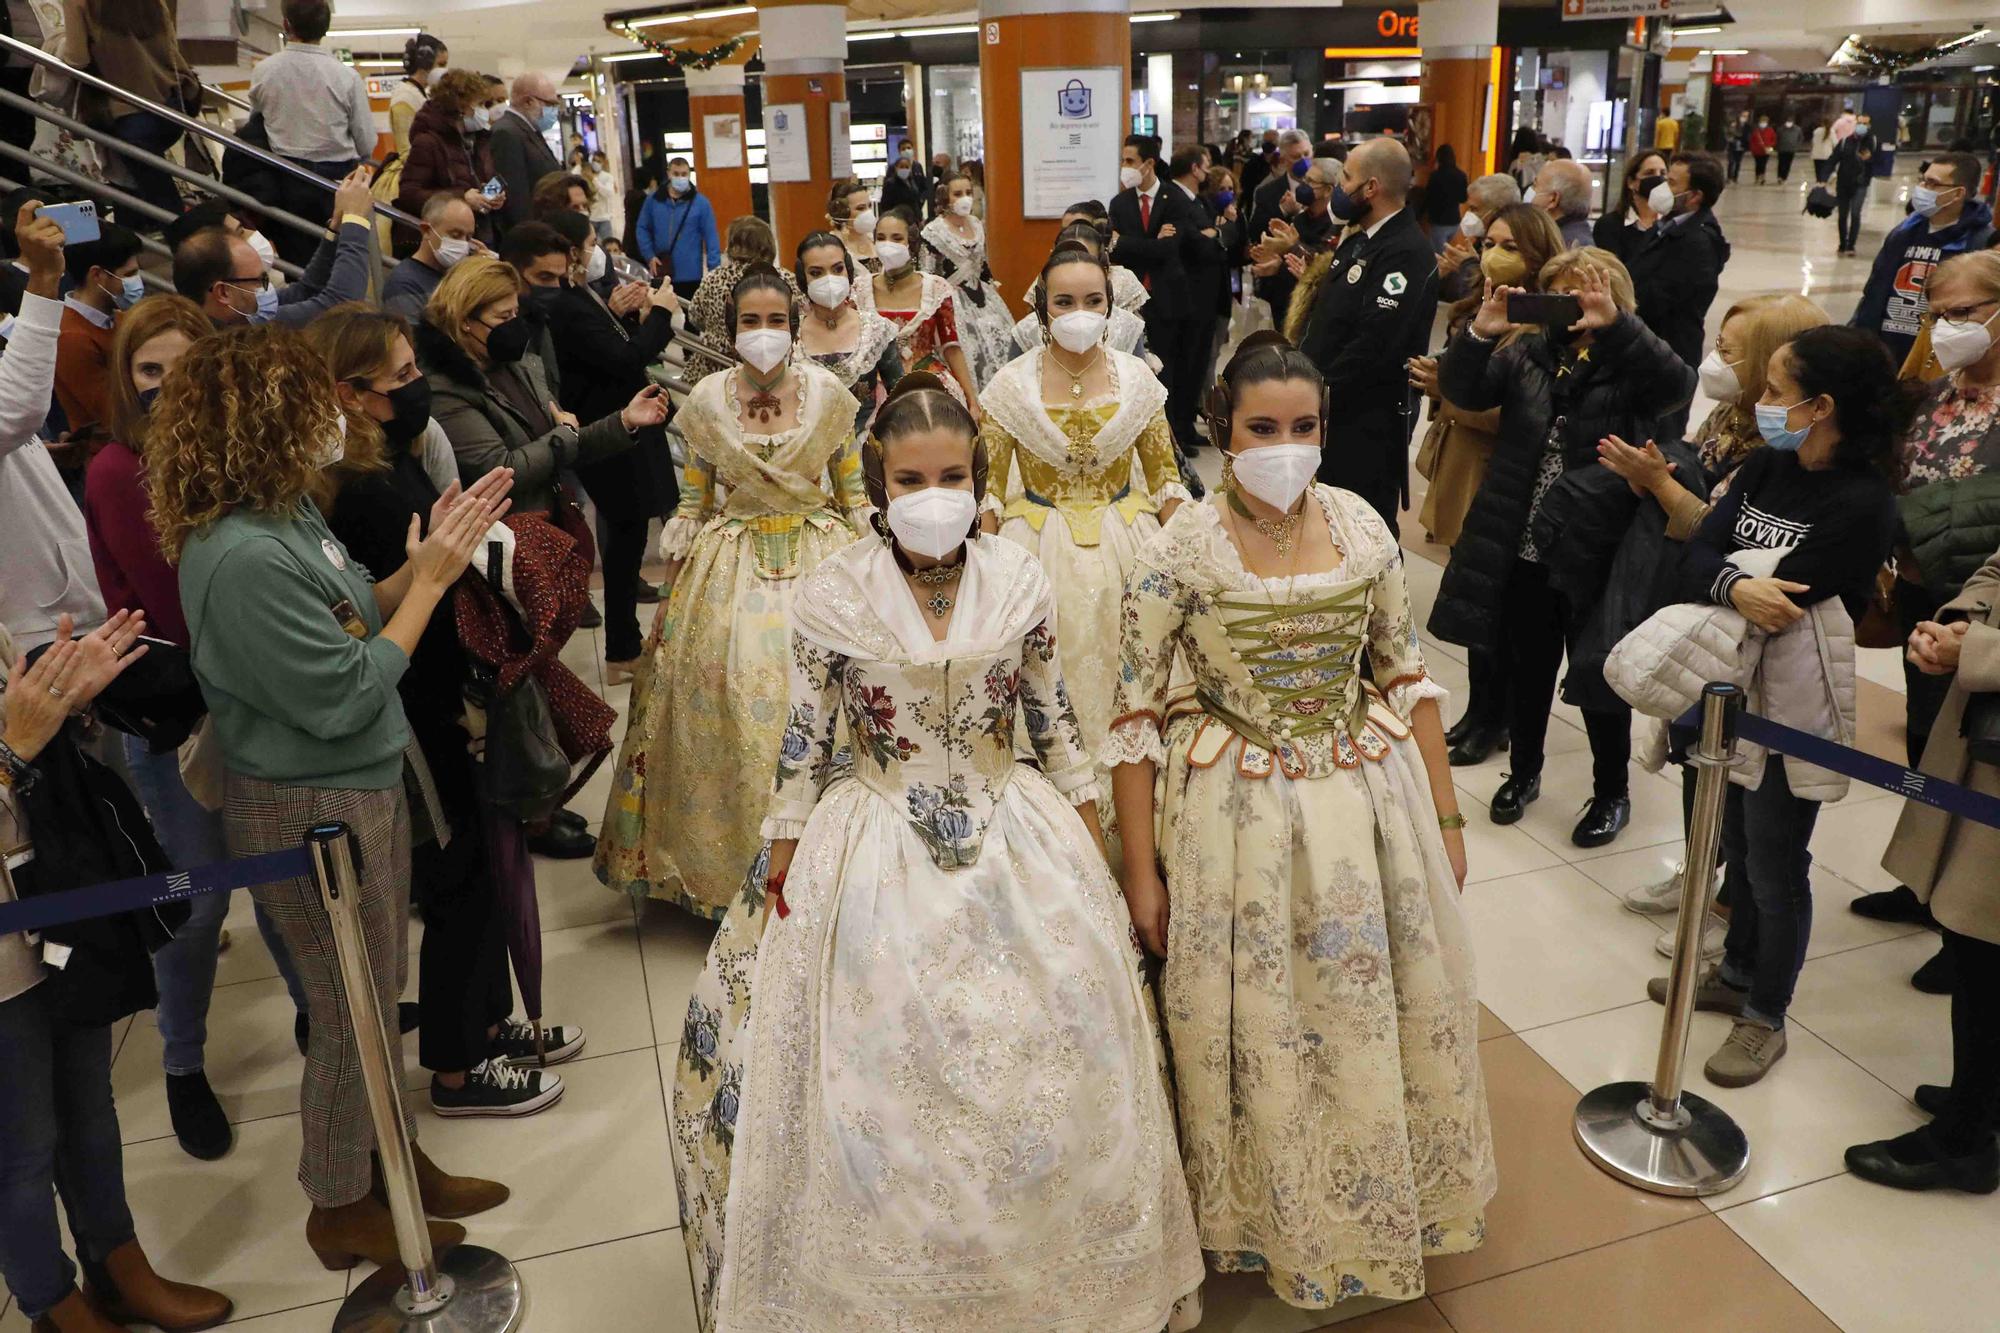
column 191, row 124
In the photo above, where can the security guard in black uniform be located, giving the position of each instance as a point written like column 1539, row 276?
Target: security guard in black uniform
column 1372, row 313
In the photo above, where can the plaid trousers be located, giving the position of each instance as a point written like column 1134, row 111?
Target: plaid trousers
column 261, row 816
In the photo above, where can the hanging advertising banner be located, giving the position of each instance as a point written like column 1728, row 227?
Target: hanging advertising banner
column 840, row 139
column 1072, row 124
column 1620, row 9
column 785, row 148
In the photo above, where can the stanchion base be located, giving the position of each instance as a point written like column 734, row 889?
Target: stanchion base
column 486, row 1297
column 1707, row 1157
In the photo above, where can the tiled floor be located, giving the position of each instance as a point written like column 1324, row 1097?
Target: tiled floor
column 1797, row 1246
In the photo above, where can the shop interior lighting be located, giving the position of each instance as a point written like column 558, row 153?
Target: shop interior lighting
column 1725, row 51
column 622, row 56
column 692, row 16
column 1697, row 32
column 338, row 37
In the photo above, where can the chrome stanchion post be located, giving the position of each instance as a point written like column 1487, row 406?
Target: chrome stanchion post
column 1658, row 1136
column 472, row 1290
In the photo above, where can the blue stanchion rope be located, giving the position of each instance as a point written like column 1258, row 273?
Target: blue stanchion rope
column 1949, row 797
column 131, row 895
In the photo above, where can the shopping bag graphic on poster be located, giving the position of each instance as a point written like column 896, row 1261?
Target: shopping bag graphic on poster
column 1073, row 100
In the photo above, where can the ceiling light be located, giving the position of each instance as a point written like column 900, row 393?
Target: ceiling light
column 952, row 30
column 874, row 36
column 1157, row 16
column 693, row 15
column 378, row 64
column 1724, row 51
column 373, row 32
column 1696, row 32
column 623, row 56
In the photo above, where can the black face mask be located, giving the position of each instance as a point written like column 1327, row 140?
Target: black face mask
column 506, row 342
column 147, row 398
column 412, row 405
column 1646, row 185
column 541, row 300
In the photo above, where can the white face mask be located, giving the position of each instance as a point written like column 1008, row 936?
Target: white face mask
column 1129, row 178
column 1661, row 199
column 962, row 205
column 593, row 267
column 863, row 223
column 1958, row 343
column 1471, row 227
column 334, row 448
column 449, row 250
column 1528, row 195
column 828, row 290
column 1718, row 378
column 764, row 348
column 934, row 522
column 1277, row 474
column 1077, row 331
column 266, row 252
column 893, row 254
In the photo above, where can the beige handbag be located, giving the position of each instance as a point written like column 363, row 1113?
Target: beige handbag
column 202, row 772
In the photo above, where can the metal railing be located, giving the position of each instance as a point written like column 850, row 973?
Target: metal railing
column 190, row 124
column 231, row 98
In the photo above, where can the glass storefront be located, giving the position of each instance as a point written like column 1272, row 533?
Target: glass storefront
column 955, row 125
column 1248, row 90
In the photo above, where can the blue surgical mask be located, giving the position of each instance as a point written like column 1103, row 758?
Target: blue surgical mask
column 130, row 292
column 547, row 120
column 267, row 304
column 1344, row 206
column 1771, row 419
column 1224, row 198
column 1301, row 167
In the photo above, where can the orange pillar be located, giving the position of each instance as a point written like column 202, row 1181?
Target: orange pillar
column 719, row 92
column 805, row 54
column 1085, row 38
column 1463, row 82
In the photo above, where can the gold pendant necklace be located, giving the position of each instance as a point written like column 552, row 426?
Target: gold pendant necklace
column 1076, row 376
column 1281, row 532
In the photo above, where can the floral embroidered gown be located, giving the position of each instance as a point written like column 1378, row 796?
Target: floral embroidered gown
column 1318, row 993
column 922, row 334
column 875, row 360
column 1081, row 486
column 757, row 513
column 952, row 1117
column 985, row 324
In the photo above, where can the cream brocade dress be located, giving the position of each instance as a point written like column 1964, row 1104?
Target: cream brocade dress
column 951, row 1114
column 1318, row 993
column 1081, row 487
column 757, row 513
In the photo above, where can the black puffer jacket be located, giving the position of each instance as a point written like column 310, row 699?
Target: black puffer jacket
column 1628, row 380
column 1608, row 550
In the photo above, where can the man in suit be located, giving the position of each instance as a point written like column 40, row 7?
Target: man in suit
column 1372, row 312
column 520, row 151
column 1207, row 260
column 1153, row 226
column 1281, row 195
column 905, row 185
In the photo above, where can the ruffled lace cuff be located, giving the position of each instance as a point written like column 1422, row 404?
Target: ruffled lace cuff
column 1173, row 490
column 992, row 504
column 1078, row 785
column 677, row 537
column 1133, row 740
column 1404, row 693
column 780, row 823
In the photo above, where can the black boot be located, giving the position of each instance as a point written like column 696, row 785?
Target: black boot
column 199, row 1124
column 1936, row 976
column 1456, row 731
column 562, row 842
column 1897, row 904
column 1931, row 1098
column 1513, row 798
column 1921, row 1160
column 1603, row 819
column 1476, row 746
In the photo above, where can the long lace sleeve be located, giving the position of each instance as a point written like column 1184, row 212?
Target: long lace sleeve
column 1393, row 649
column 1051, row 720
column 697, row 494
column 1156, row 458
column 805, row 751
column 1149, row 623
column 999, row 462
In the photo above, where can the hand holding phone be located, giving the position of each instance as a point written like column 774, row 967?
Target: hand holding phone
column 494, row 188
column 1555, row 309
column 78, row 220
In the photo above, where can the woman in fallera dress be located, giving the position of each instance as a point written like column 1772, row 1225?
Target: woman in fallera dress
column 858, row 346
column 954, row 248
column 1297, row 863
column 1125, row 331
column 1082, row 462
column 773, row 487
column 921, row 307
column 953, row 1116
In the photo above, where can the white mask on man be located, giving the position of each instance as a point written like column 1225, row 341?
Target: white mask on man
column 266, row 252
column 1129, row 178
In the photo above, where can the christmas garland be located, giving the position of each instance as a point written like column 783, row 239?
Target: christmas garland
column 1890, row 60
column 680, row 58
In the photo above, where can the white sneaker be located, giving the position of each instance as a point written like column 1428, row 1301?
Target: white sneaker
column 1660, row 898
column 1713, row 931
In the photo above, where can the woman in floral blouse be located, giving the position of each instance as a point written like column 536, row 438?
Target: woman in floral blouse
column 1318, row 990
column 948, row 1001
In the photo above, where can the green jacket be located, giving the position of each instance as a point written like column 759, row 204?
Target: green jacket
column 295, row 698
column 1952, row 527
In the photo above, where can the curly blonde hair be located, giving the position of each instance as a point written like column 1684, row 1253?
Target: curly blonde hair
column 235, row 427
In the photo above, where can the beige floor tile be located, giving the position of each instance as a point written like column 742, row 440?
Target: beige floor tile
column 591, row 798
column 1495, row 851
column 237, row 1224
column 1244, row 1303
column 1799, row 1119
column 592, row 976
column 674, row 945
column 1693, row 1276
column 1852, row 842
column 304, row 1319
column 569, row 891
column 1656, row 807
column 1489, row 1026
column 592, row 1168
column 1553, row 945
column 1880, row 1260
column 246, row 958
column 1481, row 780
column 252, row 1063
column 1552, row 1202
column 637, row 1283
column 1862, row 1004
column 1881, row 720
